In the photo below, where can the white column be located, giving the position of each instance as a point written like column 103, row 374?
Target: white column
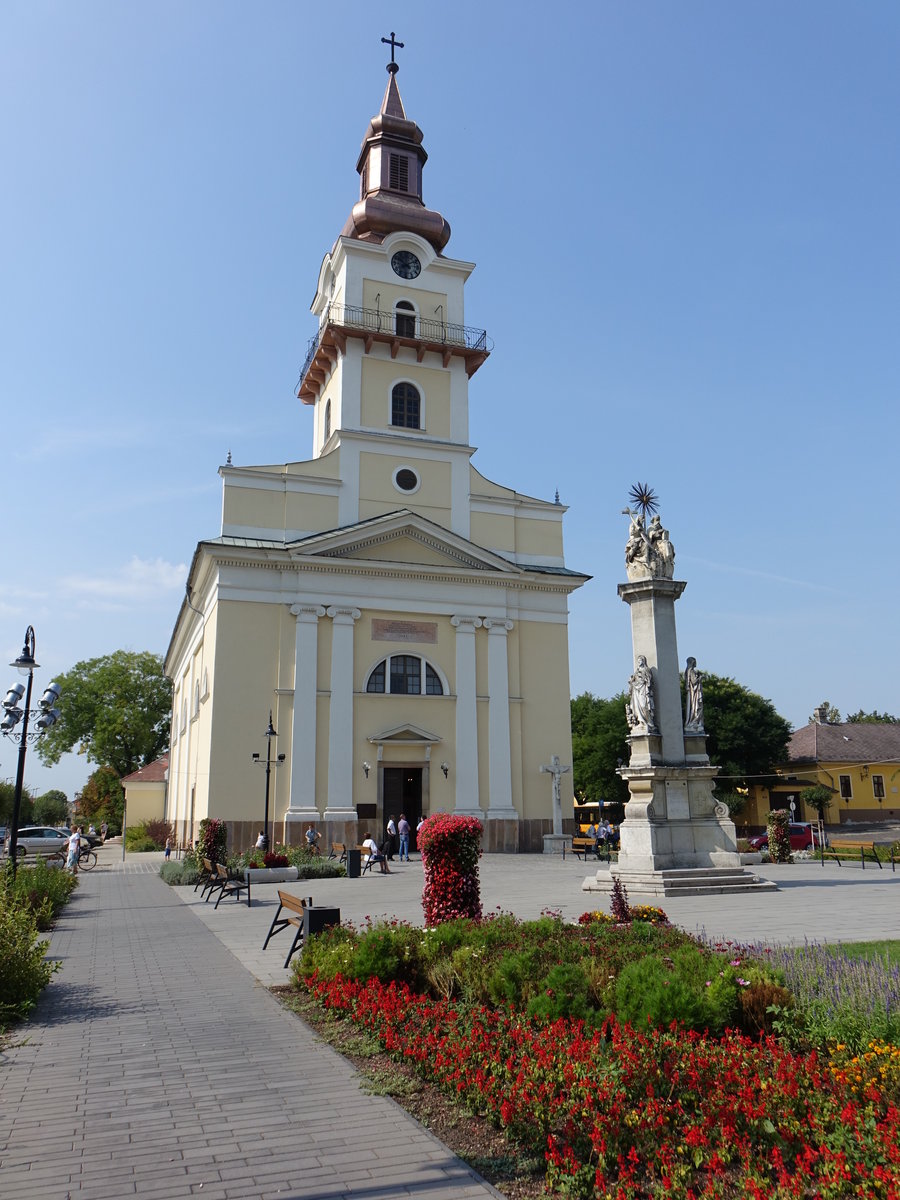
column 340, row 726
column 466, row 767
column 500, row 800
column 303, row 728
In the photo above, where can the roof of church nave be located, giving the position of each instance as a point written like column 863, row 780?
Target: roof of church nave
column 385, row 210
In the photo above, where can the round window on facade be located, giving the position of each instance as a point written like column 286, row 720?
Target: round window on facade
column 406, row 479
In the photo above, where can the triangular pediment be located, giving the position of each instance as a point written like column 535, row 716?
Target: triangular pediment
column 406, row 733
column 404, row 538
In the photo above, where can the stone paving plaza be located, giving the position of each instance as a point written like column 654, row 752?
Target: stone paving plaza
column 158, row 1065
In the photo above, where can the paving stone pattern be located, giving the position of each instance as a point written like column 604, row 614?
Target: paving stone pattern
column 156, row 1066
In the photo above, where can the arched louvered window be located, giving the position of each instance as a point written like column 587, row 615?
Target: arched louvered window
column 406, row 406
column 327, row 421
column 404, row 675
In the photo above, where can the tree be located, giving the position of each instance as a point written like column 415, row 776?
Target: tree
column 872, row 718
column 115, row 709
column 7, row 800
column 52, row 808
column 745, row 737
column 832, row 714
column 599, row 733
column 103, row 799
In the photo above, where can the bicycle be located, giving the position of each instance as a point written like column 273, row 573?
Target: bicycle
column 87, row 858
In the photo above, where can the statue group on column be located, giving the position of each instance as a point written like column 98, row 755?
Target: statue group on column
column 649, row 553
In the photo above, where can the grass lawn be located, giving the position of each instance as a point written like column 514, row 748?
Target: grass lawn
column 885, row 951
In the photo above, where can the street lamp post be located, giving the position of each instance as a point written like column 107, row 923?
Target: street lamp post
column 269, row 735
column 46, row 714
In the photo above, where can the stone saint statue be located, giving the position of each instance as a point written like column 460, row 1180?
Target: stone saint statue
column 556, row 771
column 661, row 549
column 693, row 694
column 639, row 709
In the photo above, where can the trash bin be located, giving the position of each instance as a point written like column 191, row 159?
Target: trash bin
column 319, row 917
column 354, row 864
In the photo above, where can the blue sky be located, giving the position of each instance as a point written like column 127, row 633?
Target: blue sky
column 685, row 223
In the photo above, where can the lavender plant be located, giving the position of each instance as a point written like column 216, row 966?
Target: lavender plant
column 837, row 999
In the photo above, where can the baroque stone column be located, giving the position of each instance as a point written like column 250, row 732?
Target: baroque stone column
column 303, row 805
column 340, row 721
column 500, row 803
column 466, row 773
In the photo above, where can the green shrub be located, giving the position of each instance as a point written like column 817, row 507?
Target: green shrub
column 24, row 971
column 42, row 890
column 175, row 873
column 143, row 845
column 330, row 953
column 566, row 992
column 146, row 836
column 699, row 991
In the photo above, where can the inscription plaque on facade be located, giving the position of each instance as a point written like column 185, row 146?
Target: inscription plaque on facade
column 404, row 631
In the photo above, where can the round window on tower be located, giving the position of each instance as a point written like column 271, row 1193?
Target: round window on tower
column 406, row 480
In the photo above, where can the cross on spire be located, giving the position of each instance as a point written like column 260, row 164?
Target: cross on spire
column 392, row 67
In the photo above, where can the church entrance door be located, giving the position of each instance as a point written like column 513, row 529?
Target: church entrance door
column 402, row 793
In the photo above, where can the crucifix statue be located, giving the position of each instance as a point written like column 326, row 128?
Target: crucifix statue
column 393, row 67
column 556, row 771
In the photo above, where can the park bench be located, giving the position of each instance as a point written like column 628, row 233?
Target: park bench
column 366, row 859
column 583, row 846
column 863, row 848
column 338, row 851
column 230, row 885
column 296, row 907
column 207, row 877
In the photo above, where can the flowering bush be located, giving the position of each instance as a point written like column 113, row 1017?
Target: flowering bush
column 450, row 847
column 779, row 837
column 596, row 918
column 213, row 840
column 648, row 912
column 275, row 860
column 627, row 1115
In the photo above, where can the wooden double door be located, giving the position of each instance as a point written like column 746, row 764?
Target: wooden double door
column 402, row 793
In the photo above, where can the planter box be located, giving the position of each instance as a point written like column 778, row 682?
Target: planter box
column 270, row 875
column 751, row 857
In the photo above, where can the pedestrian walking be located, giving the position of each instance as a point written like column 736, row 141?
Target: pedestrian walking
column 392, row 835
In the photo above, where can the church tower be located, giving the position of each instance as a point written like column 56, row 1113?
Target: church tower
column 403, row 617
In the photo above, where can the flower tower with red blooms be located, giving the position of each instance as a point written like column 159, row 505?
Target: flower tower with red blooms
column 451, row 847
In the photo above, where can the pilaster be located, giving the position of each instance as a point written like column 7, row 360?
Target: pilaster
column 340, row 721
column 303, row 728
column 500, row 804
column 466, row 774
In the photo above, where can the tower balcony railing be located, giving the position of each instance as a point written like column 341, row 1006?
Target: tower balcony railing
column 403, row 328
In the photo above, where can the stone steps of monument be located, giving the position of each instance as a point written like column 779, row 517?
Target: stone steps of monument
column 696, row 881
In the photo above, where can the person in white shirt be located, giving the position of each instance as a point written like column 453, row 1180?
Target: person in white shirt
column 74, row 849
column 376, row 855
column 392, row 835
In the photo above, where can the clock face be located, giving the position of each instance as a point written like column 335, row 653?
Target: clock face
column 405, row 264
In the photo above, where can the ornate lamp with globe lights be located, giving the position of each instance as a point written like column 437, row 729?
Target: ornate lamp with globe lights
column 17, row 708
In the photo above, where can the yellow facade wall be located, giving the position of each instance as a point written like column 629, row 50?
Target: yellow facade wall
column 863, row 804
column 388, row 295
column 493, row 531
column 378, row 495
column 144, row 802
column 378, row 379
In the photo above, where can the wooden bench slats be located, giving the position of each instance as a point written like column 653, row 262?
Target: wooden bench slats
column 229, row 886
column 295, row 905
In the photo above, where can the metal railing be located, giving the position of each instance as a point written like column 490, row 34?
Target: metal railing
column 384, row 321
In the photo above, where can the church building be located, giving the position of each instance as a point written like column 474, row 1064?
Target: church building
column 402, row 617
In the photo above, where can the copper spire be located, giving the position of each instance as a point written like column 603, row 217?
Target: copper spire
column 391, row 179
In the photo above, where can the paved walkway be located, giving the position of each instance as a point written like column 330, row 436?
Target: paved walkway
column 158, row 1066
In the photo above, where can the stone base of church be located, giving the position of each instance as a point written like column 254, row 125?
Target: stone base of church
column 501, row 834
column 698, row 881
column 557, row 843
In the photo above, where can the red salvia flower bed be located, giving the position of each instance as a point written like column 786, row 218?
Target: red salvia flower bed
column 633, row 1115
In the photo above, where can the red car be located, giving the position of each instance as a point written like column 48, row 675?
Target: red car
column 802, row 836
